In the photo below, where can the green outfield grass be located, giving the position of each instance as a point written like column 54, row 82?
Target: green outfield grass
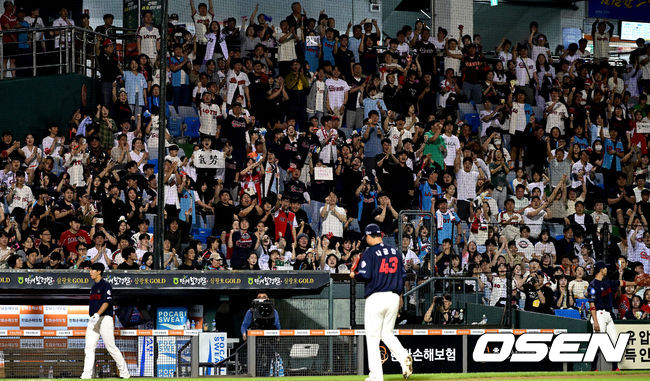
column 627, row 375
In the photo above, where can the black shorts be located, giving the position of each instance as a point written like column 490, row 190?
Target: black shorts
column 518, row 139
column 10, row 49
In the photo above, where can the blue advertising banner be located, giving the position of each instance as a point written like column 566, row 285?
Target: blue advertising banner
column 171, row 317
column 638, row 10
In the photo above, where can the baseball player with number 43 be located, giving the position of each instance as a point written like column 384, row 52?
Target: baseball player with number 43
column 101, row 324
column 382, row 268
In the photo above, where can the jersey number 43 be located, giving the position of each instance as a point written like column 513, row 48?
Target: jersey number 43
column 388, row 266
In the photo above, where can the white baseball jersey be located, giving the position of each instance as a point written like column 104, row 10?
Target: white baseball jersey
column 601, row 45
column 525, row 70
column 518, row 120
column 236, row 82
column 556, row 117
column 337, row 89
column 201, row 25
column 61, row 39
column 148, row 37
column 208, row 114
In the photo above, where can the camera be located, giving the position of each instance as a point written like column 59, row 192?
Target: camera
column 263, row 314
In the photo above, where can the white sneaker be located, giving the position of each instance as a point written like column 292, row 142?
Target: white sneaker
column 85, row 378
column 126, row 376
column 407, row 368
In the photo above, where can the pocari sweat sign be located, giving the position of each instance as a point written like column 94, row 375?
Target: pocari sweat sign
column 171, row 317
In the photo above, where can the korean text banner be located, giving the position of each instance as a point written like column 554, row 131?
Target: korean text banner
column 637, row 10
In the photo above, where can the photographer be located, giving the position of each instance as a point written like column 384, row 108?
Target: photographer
column 539, row 296
column 440, row 312
column 249, row 322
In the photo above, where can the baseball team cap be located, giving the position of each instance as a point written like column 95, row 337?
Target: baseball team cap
column 372, row 229
column 599, row 266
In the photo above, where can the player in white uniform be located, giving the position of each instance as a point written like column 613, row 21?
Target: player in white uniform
column 148, row 37
column 101, row 324
column 382, row 268
column 601, row 301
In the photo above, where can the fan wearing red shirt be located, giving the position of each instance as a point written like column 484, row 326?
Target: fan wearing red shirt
column 71, row 237
column 9, row 21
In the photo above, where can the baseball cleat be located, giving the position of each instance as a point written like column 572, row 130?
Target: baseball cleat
column 407, row 369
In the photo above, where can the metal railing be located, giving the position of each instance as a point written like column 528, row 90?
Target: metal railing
column 59, row 50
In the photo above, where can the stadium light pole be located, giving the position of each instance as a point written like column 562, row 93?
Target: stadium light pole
column 159, row 222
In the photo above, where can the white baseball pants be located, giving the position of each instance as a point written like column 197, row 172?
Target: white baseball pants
column 104, row 328
column 379, row 316
column 606, row 324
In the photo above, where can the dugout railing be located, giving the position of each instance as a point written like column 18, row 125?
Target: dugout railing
column 60, row 354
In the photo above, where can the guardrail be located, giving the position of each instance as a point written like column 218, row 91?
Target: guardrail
column 59, row 50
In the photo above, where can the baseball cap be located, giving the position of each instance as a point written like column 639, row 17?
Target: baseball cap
column 599, row 266
column 215, row 256
column 107, row 42
column 372, row 229
column 301, row 235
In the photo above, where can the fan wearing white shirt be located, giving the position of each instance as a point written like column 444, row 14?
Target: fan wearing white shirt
column 63, row 37
column 148, row 37
column 451, row 142
column 337, row 92
column 100, row 253
column 555, row 112
column 525, row 73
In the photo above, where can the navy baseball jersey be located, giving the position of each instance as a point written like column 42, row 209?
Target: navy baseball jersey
column 382, row 268
column 101, row 293
column 601, row 293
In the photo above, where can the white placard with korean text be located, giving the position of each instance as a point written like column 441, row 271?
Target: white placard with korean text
column 637, row 352
column 323, row 173
column 643, row 127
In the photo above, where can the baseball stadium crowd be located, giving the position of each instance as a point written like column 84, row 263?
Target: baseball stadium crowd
column 528, row 162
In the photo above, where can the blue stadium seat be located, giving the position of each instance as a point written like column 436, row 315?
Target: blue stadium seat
column 155, row 164
column 473, row 120
column 201, row 234
column 175, row 126
column 571, row 314
column 539, row 112
column 465, row 108
column 187, row 112
column 192, row 125
column 580, row 302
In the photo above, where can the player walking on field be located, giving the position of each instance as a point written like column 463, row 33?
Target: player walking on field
column 101, row 324
column 382, row 268
column 601, row 301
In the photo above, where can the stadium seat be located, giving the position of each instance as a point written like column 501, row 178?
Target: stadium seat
column 570, row 313
column 175, row 126
column 155, row 164
column 187, row 112
column 201, row 234
column 473, row 120
column 465, row 108
column 192, row 125
column 303, row 357
column 580, row 302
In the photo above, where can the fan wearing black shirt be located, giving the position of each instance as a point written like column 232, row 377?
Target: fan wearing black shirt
column 130, row 260
column 385, row 215
column 235, row 131
column 343, row 57
column 224, row 214
column 539, row 296
column 426, row 53
column 113, row 208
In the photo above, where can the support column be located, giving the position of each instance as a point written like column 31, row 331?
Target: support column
column 451, row 13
